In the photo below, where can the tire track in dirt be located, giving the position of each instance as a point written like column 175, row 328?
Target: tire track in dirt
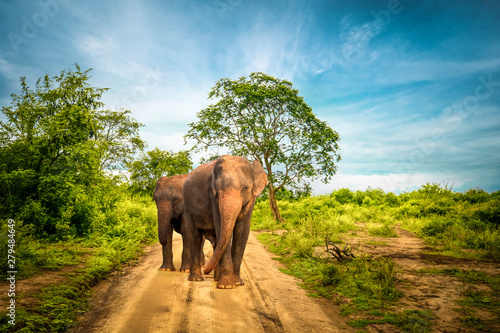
column 264, row 306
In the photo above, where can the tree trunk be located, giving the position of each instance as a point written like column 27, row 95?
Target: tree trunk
column 274, row 205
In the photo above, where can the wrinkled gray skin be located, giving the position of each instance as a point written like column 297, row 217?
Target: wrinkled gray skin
column 170, row 206
column 219, row 199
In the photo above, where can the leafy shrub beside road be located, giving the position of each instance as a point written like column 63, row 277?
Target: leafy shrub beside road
column 444, row 219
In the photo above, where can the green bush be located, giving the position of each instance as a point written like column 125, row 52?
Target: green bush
column 436, row 227
column 343, row 196
column 331, row 274
column 476, row 195
column 371, row 282
column 488, row 212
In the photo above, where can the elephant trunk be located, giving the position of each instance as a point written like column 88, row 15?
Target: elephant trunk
column 230, row 204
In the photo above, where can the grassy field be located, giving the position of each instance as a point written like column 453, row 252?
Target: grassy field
column 370, row 289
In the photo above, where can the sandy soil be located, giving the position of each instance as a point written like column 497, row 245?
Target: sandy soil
column 144, row 299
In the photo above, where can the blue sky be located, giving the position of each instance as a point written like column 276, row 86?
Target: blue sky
column 413, row 87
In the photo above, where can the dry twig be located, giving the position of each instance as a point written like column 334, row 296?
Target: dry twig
column 341, row 255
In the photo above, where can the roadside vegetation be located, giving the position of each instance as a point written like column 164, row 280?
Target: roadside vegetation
column 369, row 288
column 119, row 234
column 76, row 217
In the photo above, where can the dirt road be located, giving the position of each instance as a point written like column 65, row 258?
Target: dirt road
column 144, row 299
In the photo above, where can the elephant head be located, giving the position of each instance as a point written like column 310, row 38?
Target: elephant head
column 235, row 183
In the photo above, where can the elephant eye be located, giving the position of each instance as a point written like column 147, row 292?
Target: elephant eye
column 244, row 188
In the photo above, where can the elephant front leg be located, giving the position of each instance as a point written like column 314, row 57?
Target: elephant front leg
column 240, row 238
column 226, row 278
column 165, row 236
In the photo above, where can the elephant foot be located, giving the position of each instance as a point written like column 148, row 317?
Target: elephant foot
column 226, row 282
column 167, row 268
column 195, row 277
column 238, row 280
column 185, row 268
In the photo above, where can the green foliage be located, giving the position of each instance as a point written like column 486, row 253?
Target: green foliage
column 55, row 148
column 153, row 164
column 371, row 283
column 118, row 135
column 331, row 275
column 283, row 193
column 446, row 220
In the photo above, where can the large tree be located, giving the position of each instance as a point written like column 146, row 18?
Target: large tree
column 264, row 118
column 55, row 145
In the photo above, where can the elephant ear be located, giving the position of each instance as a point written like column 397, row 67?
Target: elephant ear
column 213, row 176
column 259, row 178
column 212, row 184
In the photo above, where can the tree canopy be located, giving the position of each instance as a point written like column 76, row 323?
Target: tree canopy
column 264, row 118
column 145, row 171
column 55, row 146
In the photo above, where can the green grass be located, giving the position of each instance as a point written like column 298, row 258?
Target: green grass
column 412, row 321
column 371, row 283
column 462, row 225
column 119, row 238
column 383, row 230
column 468, row 276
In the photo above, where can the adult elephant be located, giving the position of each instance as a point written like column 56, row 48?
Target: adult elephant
column 170, row 206
column 219, row 199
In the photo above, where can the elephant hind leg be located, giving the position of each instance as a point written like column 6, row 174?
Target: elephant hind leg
column 186, row 255
column 195, row 268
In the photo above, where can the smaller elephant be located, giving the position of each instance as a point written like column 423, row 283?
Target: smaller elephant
column 170, row 205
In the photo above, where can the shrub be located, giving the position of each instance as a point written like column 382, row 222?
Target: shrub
column 488, row 212
column 331, row 274
column 476, row 195
column 343, row 196
column 436, row 227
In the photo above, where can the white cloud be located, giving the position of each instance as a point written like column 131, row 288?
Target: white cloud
column 7, row 69
column 356, row 38
column 396, row 183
